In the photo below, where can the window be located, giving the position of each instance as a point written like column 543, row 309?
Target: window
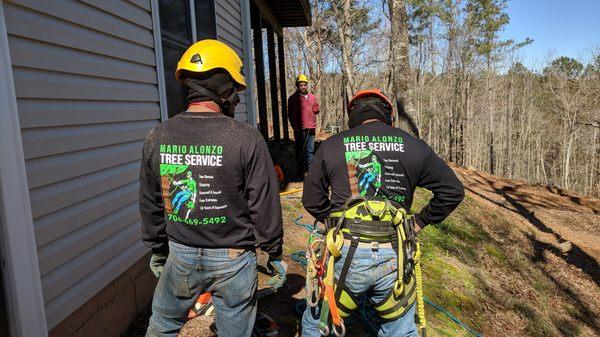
column 178, row 32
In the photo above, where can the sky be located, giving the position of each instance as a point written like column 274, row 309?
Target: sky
column 560, row 27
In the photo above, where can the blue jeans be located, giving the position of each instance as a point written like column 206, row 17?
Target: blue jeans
column 231, row 278
column 309, row 139
column 375, row 272
column 305, row 149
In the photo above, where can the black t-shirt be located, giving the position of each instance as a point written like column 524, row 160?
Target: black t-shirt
column 208, row 181
column 375, row 159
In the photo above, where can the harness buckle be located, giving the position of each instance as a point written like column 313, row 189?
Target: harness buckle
column 375, row 245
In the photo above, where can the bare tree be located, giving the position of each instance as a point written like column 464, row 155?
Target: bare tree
column 343, row 16
column 443, row 62
column 400, row 68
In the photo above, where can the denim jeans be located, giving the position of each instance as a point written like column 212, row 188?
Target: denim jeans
column 231, row 278
column 309, row 135
column 374, row 272
column 305, row 149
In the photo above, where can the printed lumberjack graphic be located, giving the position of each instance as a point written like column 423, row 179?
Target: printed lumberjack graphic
column 370, row 175
column 187, row 186
column 372, row 170
column 367, row 171
column 188, row 190
column 167, row 172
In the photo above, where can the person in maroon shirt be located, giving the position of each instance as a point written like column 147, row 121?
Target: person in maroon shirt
column 303, row 109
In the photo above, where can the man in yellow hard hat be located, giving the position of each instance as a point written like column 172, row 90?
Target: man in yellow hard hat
column 208, row 196
column 303, row 108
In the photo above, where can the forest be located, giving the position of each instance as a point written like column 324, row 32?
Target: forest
column 458, row 85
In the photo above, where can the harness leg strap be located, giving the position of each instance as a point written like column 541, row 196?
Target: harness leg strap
column 346, row 267
column 346, row 308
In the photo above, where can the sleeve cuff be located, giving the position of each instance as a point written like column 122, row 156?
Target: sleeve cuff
column 419, row 220
column 273, row 247
column 163, row 250
column 275, row 252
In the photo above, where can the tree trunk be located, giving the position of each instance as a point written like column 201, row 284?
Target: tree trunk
column 593, row 162
column 569, row 150
column 490, row 105
column 509, row 113
column 465, row 122
column 399, row 61
column 314, row 42
column 344, row 20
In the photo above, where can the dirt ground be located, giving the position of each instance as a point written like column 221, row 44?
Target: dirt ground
column 558, row 232
column 558, row 218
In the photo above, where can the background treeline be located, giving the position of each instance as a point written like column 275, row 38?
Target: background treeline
column 463, row 88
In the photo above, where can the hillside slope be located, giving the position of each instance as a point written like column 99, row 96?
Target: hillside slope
column 496, row 263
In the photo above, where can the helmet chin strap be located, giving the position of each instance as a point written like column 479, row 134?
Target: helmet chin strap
column 227, row 105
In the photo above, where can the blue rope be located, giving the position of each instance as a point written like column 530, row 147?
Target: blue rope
column 452, row 317
column 300, row 257
column 308, row 227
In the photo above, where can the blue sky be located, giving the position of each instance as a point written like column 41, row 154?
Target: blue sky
column 568, row 27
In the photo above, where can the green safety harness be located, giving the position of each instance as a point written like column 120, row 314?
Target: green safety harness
column 367, row 220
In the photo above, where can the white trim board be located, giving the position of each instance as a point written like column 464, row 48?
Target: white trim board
column 160, row 72
column 20, row 268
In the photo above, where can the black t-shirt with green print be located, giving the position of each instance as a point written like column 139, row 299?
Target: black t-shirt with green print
column 377, row 160
column 208, row 181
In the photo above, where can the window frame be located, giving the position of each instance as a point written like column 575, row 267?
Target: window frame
column 161, row 37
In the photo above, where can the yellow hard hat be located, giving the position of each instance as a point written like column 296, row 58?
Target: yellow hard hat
column 301, row 78
column 209, row 54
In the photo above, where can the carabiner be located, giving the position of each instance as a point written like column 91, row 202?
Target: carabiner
column 324, row 331
column 313, row 298
column 342, row 327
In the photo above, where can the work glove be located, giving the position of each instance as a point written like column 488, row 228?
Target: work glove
column 157, row 263
column 278, row 267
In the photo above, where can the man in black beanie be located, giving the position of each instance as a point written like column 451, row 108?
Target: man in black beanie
column 208, row 196
column 361, row 184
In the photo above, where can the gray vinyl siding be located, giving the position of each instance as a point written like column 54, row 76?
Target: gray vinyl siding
column 87, row 94
column 229, row 30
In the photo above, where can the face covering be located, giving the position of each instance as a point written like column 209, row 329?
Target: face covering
column 368, row 108
column 205, row 89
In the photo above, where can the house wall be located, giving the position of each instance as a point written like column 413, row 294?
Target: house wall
column 3, row 311
column 87, row 94
column 229, row 19
column 22, row 288
column 110, row 312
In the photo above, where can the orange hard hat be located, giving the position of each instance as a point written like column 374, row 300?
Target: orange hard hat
column 370, row 93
